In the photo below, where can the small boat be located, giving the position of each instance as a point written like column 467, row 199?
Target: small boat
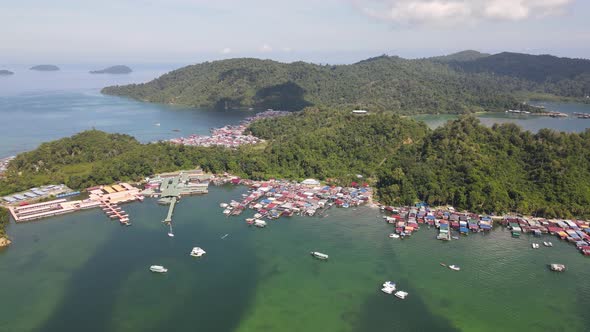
column 394, row 236
column 401, row 294
column 389, row 284
column 227, row 212
column 157, row 124
column 170, row 234
column 158, row 269
column 546, row 244
column 443, row 264
column 388, row 290
column 550, row 244
column 223, row 237
column 259, row 223
column 197, row 252
column 454, row 268
column 223, row 205
column 557, row 267
column 319, row 255
column 250, row 220
column 535, row 245
column 455, row 238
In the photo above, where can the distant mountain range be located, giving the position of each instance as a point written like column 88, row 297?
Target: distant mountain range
column 45, row 68
column 463, row 82
column 119, row 69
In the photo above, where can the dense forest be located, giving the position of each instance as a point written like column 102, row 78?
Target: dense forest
column 462, row 163
column 550, row 74
column 461, row 83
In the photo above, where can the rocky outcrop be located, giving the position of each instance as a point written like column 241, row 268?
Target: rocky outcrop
column 4, row 242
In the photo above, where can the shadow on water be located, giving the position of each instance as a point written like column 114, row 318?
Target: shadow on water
column 93, row 292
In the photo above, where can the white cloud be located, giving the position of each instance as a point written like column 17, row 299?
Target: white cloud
column 287, row 49
column 449, row 12
column 265, row 48
column 226, row 50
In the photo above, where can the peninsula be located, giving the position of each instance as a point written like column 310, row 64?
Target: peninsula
column 4, row 72
column 45, row 68
column 460, row 83
column 119, row 69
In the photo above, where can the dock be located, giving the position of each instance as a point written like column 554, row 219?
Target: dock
column 115, row 212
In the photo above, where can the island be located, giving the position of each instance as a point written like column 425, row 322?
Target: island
column 4, row 72
column 45, row 68
column 460, row 83
column 119, row 69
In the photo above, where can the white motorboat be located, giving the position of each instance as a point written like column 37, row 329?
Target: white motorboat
column 401, row 294
column 197, row 252
column 223, row 205
column 394, row 236
column 319, row 255
column 389, row 284
column 535, row 246
column 546, row 244
column 227, row 212
column 454, row 268
column 550, row 244
column 388, row 290
column 557, row 267
column 259, row 223
column 158, row 269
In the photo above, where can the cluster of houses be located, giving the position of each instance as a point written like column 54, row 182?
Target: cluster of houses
column 408, row 220
column 573, row 231
column 275, row 198
column 228, row 136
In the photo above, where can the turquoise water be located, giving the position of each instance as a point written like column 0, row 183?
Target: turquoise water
column 528, row 122
column 85, row 272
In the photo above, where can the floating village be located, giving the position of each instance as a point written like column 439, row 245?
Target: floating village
column 229, row 136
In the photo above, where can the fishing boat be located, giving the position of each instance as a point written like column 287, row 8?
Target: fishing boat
column 158, row 269
column 394, row 236
column 557, row 267
column 319, row 255
column 197, row 252
column 454, row 268
column 401, row 294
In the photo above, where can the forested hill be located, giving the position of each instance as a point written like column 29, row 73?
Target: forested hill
column 459, row 83
column 559, row 76
column 381, row 83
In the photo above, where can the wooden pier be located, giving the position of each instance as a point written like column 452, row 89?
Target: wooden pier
column 115, row 212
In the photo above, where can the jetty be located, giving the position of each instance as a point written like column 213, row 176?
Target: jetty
column 115, row 212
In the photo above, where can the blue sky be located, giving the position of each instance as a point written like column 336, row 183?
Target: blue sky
column 326, row 31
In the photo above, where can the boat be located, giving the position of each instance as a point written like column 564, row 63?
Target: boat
column 550, row 244
column 546, row 244
column 535, row 245
column 454, row 268
column 197, row 252
column 401, row 294
column 170, row 234
column 319, row 255
column 443, row 264
column 223, row 205
column 227, row 212
column 557, row 267
column 389, row 284
column 158, row 269
column 455, row 238
column 259, row 223
column 223, row 237
column 394, row 236
column 388, row 290
column 157, row 124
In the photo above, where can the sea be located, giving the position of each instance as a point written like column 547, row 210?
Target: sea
column 84, row 272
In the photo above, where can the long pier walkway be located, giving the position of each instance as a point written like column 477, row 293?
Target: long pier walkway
column 170, row 210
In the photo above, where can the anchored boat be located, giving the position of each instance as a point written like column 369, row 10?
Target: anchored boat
column 158, row 269
column 557, row 267
column 401, row 294
column 197, row 252
column 319, row 255
column 454, row 268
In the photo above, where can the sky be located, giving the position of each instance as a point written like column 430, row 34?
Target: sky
column 321, row 31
